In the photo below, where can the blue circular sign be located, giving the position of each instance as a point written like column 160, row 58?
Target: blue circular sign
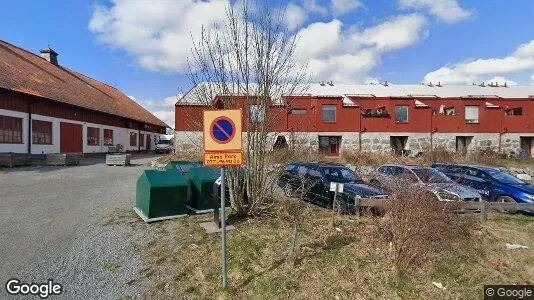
column 222, row 130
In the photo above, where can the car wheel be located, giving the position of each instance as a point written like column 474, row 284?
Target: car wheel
column 288, row 190
column 506, row 199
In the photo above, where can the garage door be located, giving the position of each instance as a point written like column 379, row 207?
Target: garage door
column 70, row 140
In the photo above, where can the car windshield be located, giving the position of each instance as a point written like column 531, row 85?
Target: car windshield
column 164, row 142
column 504, row 177
column 431, row 176
column 341, row 175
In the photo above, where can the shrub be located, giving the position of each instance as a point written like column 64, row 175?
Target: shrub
column 417, row 227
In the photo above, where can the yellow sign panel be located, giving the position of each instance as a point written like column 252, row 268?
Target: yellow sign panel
column 223, row 159
column 222, row 130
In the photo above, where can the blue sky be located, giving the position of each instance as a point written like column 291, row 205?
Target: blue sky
column 141, row 46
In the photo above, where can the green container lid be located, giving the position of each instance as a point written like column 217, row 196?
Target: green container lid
column 183, row 166
column 162, row 194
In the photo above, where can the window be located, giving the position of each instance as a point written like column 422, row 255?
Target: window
column 301, row 171
column 141, row 140
column 257, row 113
column 450, row 111
column 329, row 113
column 133, row 139
column 315, row 174
column 515, row 112
column 41, row 132
column 471, row 114
column 108, row 137
column 298, row 111
column 10, row 130
column 93, row 136
column 401, row 114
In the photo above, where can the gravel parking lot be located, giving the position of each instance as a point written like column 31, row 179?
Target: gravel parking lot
column 52, row 224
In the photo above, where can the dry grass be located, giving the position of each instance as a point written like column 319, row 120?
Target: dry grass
column 362, row 158
column 437, row 155
column 349, row 263
column 185, row 156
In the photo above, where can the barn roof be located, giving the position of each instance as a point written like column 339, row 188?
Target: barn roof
column 25, row 72
column 418, row 91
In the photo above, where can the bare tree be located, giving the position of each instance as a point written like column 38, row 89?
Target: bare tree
column 249, row 62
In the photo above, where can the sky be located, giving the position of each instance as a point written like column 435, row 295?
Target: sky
column 141, row 46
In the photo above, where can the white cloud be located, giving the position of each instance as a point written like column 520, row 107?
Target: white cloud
column 522, row 59
column 448, row 11
column 525, row 50
column 295, row 16
column 532, row 77
column 346, row 56
column 312, row 7
column 158, row 33
column 341, row 7
column 163, row 109
column 501, row 80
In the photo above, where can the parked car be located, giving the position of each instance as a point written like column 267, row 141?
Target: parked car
column 492, row 183
column 312, row 181
column 394, row 177
column 164, row 143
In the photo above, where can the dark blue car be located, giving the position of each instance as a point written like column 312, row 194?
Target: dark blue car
column 492, row 183
column 312, row 181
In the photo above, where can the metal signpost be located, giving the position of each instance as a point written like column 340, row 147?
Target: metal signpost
column 223, row 148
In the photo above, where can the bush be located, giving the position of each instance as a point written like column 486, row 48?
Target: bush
column 439, row 155
column 418, row 227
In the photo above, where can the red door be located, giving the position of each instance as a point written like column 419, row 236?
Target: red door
column 70, row 138
column 333, row 149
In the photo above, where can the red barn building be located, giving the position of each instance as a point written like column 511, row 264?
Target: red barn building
column 48, row 108
column 387, row 118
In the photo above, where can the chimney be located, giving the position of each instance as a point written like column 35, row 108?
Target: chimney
column 50, row 55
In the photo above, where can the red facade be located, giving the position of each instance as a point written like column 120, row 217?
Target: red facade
column 11, row 100
column 378, row 114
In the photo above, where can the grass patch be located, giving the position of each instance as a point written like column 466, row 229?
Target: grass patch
column 184, row 262
column 121, row 216
column 111, row 266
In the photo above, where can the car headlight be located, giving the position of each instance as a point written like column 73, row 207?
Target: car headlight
column 443, row 195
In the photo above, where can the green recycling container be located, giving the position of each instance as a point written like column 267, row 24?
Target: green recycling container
column 183, row 166
column 161, row 195
column 202, row 181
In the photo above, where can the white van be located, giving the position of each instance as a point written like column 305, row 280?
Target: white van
column 164, row 143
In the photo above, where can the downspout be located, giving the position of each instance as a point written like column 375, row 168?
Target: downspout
column 431, row 130
column 501, row 132
column 361, row 129
column 30, row 127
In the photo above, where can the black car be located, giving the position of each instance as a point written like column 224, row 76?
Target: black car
column 312, row 181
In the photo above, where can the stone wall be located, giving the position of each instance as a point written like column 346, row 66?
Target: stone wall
column 375, row 141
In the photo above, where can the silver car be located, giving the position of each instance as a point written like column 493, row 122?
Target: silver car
column 394, row 177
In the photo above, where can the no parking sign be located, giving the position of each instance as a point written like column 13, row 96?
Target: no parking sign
column 222, row 138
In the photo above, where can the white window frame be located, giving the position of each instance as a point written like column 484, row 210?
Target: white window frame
column 256, row 113
column 472, row 114
column 328, row 107
column 407, row 107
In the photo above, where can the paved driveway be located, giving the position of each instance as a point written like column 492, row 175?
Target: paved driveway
column 52, row 226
